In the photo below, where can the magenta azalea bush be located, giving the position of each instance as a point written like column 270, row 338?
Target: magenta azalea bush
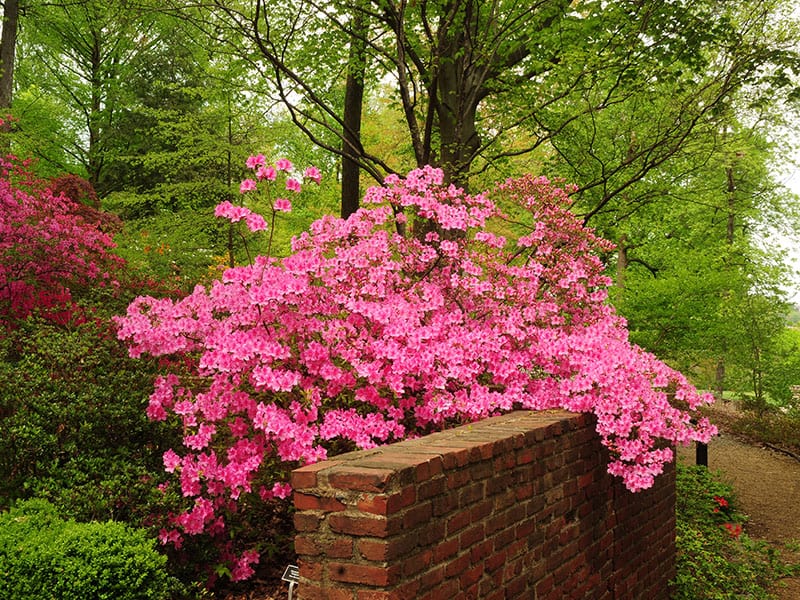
column 411, row 316
column 50, row 248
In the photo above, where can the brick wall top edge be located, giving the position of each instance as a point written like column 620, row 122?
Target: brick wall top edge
column 417, row 459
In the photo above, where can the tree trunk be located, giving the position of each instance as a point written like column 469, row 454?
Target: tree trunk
column 94, row 159
column 729, row 239
column 457, row 130
column 622, row 262
column 8, row 46
column 353, row 103
column 719, row 379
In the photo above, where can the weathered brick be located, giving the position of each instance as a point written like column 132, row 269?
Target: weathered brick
column 310, row 502
column 305, row 544
column 494, row 514
column 387, row 504
column 417, row 515
column 306, row 477
column 308, row 591
column 349, row 477
column 386, row 550
column 363, row 525
column 306, row 521
column 372, row 575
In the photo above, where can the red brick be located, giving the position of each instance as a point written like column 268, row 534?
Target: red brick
column 405, row 591
column 458, row 521
column 432, row 487
column 458, row 479
column 306, row 591
column 457, row 566
column 480, row 511
column 310, row 570
column 495, row 561
column 387, row 504
column 309, row 502
column 471, row 576
column 306, row 521
column 386, row 550
column 471, row 536
column 452, row 456
column 412, row 565
column 545, row 586
column 362, row 525
column 371, row 575
column 338, row 547
column 305, row 544
column 417, row 515
column 445, row 550
column 306, row 477
column 423, row 466
column 481, row 552
column 431, row 578
column 347, row 477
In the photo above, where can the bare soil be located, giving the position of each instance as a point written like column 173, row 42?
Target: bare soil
column 766, row 481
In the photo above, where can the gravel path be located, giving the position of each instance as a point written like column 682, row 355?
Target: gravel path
column 767, row 485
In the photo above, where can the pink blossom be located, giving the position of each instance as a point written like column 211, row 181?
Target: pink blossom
column 247, row 185
column 255, row 161
column 293, row 185
column 266, row 173
column 256, row 222
column 283, row 164
column 171, row 460
column 313, row 174
column 282, row 205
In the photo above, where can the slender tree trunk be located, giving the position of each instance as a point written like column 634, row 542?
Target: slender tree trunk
column 622, row 262
column 8, row 47
column 230, row 184
column 94, row 159
column 353, row 103
column 729, row 239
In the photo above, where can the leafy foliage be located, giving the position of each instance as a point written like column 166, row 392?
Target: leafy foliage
column 72, row 423
column 44, row 557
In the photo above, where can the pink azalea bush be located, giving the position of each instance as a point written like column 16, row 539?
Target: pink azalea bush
column 364, row 336
column 50, row 248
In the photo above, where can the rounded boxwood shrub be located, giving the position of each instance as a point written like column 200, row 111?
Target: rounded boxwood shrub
column 44, row 557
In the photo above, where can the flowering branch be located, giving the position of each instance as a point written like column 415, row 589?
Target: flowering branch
column 364, row 336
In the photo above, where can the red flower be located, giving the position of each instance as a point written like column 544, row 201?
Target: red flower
column 735, row 529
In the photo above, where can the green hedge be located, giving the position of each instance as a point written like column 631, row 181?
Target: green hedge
column 44, row 557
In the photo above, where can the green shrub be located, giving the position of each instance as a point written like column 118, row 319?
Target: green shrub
column 73, row 427
column 717, row 560
column 43, row 557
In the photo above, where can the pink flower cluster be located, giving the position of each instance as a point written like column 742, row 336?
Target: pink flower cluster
column 267, row 173
column 368, row 336
column 48, row 248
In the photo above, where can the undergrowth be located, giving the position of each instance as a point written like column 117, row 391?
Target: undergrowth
column 717, row 560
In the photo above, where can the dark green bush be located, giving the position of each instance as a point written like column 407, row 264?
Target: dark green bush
column 73, row 427
column 43, row 557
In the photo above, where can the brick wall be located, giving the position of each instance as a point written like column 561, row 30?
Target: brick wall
column 518, row 506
